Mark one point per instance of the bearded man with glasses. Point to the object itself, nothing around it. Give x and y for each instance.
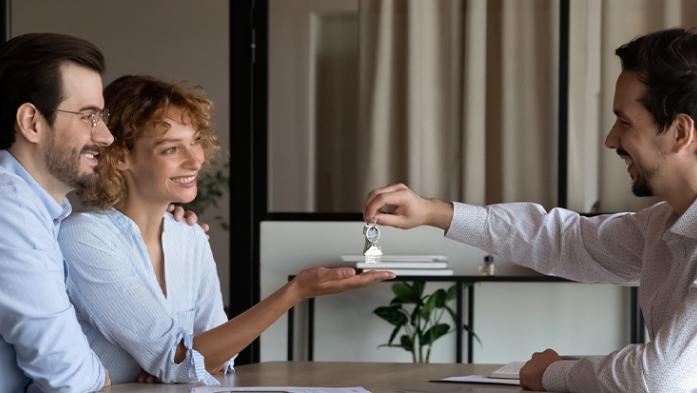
(51, 133)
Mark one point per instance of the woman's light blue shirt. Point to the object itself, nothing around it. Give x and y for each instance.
(127, 319)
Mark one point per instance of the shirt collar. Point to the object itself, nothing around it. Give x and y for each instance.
(12, 166)
(686, 224)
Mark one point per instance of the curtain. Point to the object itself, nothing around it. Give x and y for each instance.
(457, 98)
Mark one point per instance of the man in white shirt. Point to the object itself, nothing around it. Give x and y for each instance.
(656, 248)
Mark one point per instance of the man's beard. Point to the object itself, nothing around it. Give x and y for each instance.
(64, 165)
(641, 186)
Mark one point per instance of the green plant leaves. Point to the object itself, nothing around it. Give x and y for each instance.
(392, 314)
(419, 316)
(452, 293)
(469, 329)
(439, 297)
(434, 333)
(394, 334)
(407, 293)
(407, 342)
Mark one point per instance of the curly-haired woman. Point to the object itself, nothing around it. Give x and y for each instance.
(144, 286)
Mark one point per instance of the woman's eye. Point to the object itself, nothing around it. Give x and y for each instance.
(169, 150)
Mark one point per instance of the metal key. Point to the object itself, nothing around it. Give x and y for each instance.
(371, 250)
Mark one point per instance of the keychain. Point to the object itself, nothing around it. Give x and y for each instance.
(371, 250)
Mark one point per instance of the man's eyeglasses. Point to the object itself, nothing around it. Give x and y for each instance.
(91, 116)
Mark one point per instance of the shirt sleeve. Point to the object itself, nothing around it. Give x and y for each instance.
(121, 306)
(210, 311)
(37, 318)
(666, 364)
(560, 242)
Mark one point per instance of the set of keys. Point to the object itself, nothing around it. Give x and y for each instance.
(371, 250)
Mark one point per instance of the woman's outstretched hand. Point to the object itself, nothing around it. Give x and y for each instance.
(318, 281)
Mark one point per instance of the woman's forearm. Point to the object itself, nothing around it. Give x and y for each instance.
(221, 343)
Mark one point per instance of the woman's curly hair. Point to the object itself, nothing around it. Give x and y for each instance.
(137, 105)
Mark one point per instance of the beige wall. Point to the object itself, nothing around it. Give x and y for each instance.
(177, 40)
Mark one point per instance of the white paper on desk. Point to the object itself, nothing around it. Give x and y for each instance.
(289, 389)
(481, 379)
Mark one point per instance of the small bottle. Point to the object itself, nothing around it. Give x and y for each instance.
(487, 267)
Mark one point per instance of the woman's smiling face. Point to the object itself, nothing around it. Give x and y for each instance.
(164, 164)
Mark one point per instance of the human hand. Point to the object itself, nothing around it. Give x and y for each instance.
(144, 377)
(409, 209)
(531, 373)
(191, 218)
(318, 281)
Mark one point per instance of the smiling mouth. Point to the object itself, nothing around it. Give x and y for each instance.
(90, 155)
(625, 156)
(184, 179)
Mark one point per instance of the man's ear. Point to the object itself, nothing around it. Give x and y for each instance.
(684, 131)
(29, 122)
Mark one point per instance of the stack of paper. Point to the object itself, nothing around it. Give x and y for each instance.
(404, 265)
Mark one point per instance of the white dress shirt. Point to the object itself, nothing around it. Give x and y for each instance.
(653, 248)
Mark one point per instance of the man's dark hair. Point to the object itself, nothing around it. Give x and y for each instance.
(666, 61)
(30, 73)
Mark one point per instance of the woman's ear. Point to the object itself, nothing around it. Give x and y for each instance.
(121, 161)
(29, 124)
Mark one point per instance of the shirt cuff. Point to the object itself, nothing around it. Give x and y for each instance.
(468, 223)
(197, 370)
(554, 377)
(229, 366)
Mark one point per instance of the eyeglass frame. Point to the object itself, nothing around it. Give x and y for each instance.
(93, 117)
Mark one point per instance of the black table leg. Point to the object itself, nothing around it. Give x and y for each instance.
(458, 323)
(470, 323)
(291, 332)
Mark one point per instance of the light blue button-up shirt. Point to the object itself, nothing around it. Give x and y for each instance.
(42, 347)
(126, 317)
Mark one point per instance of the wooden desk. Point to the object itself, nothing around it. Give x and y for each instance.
(376, 377)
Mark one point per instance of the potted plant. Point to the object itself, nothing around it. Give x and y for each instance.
(419, 317)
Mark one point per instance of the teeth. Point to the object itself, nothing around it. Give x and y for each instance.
(183, 180)
(89, 155)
